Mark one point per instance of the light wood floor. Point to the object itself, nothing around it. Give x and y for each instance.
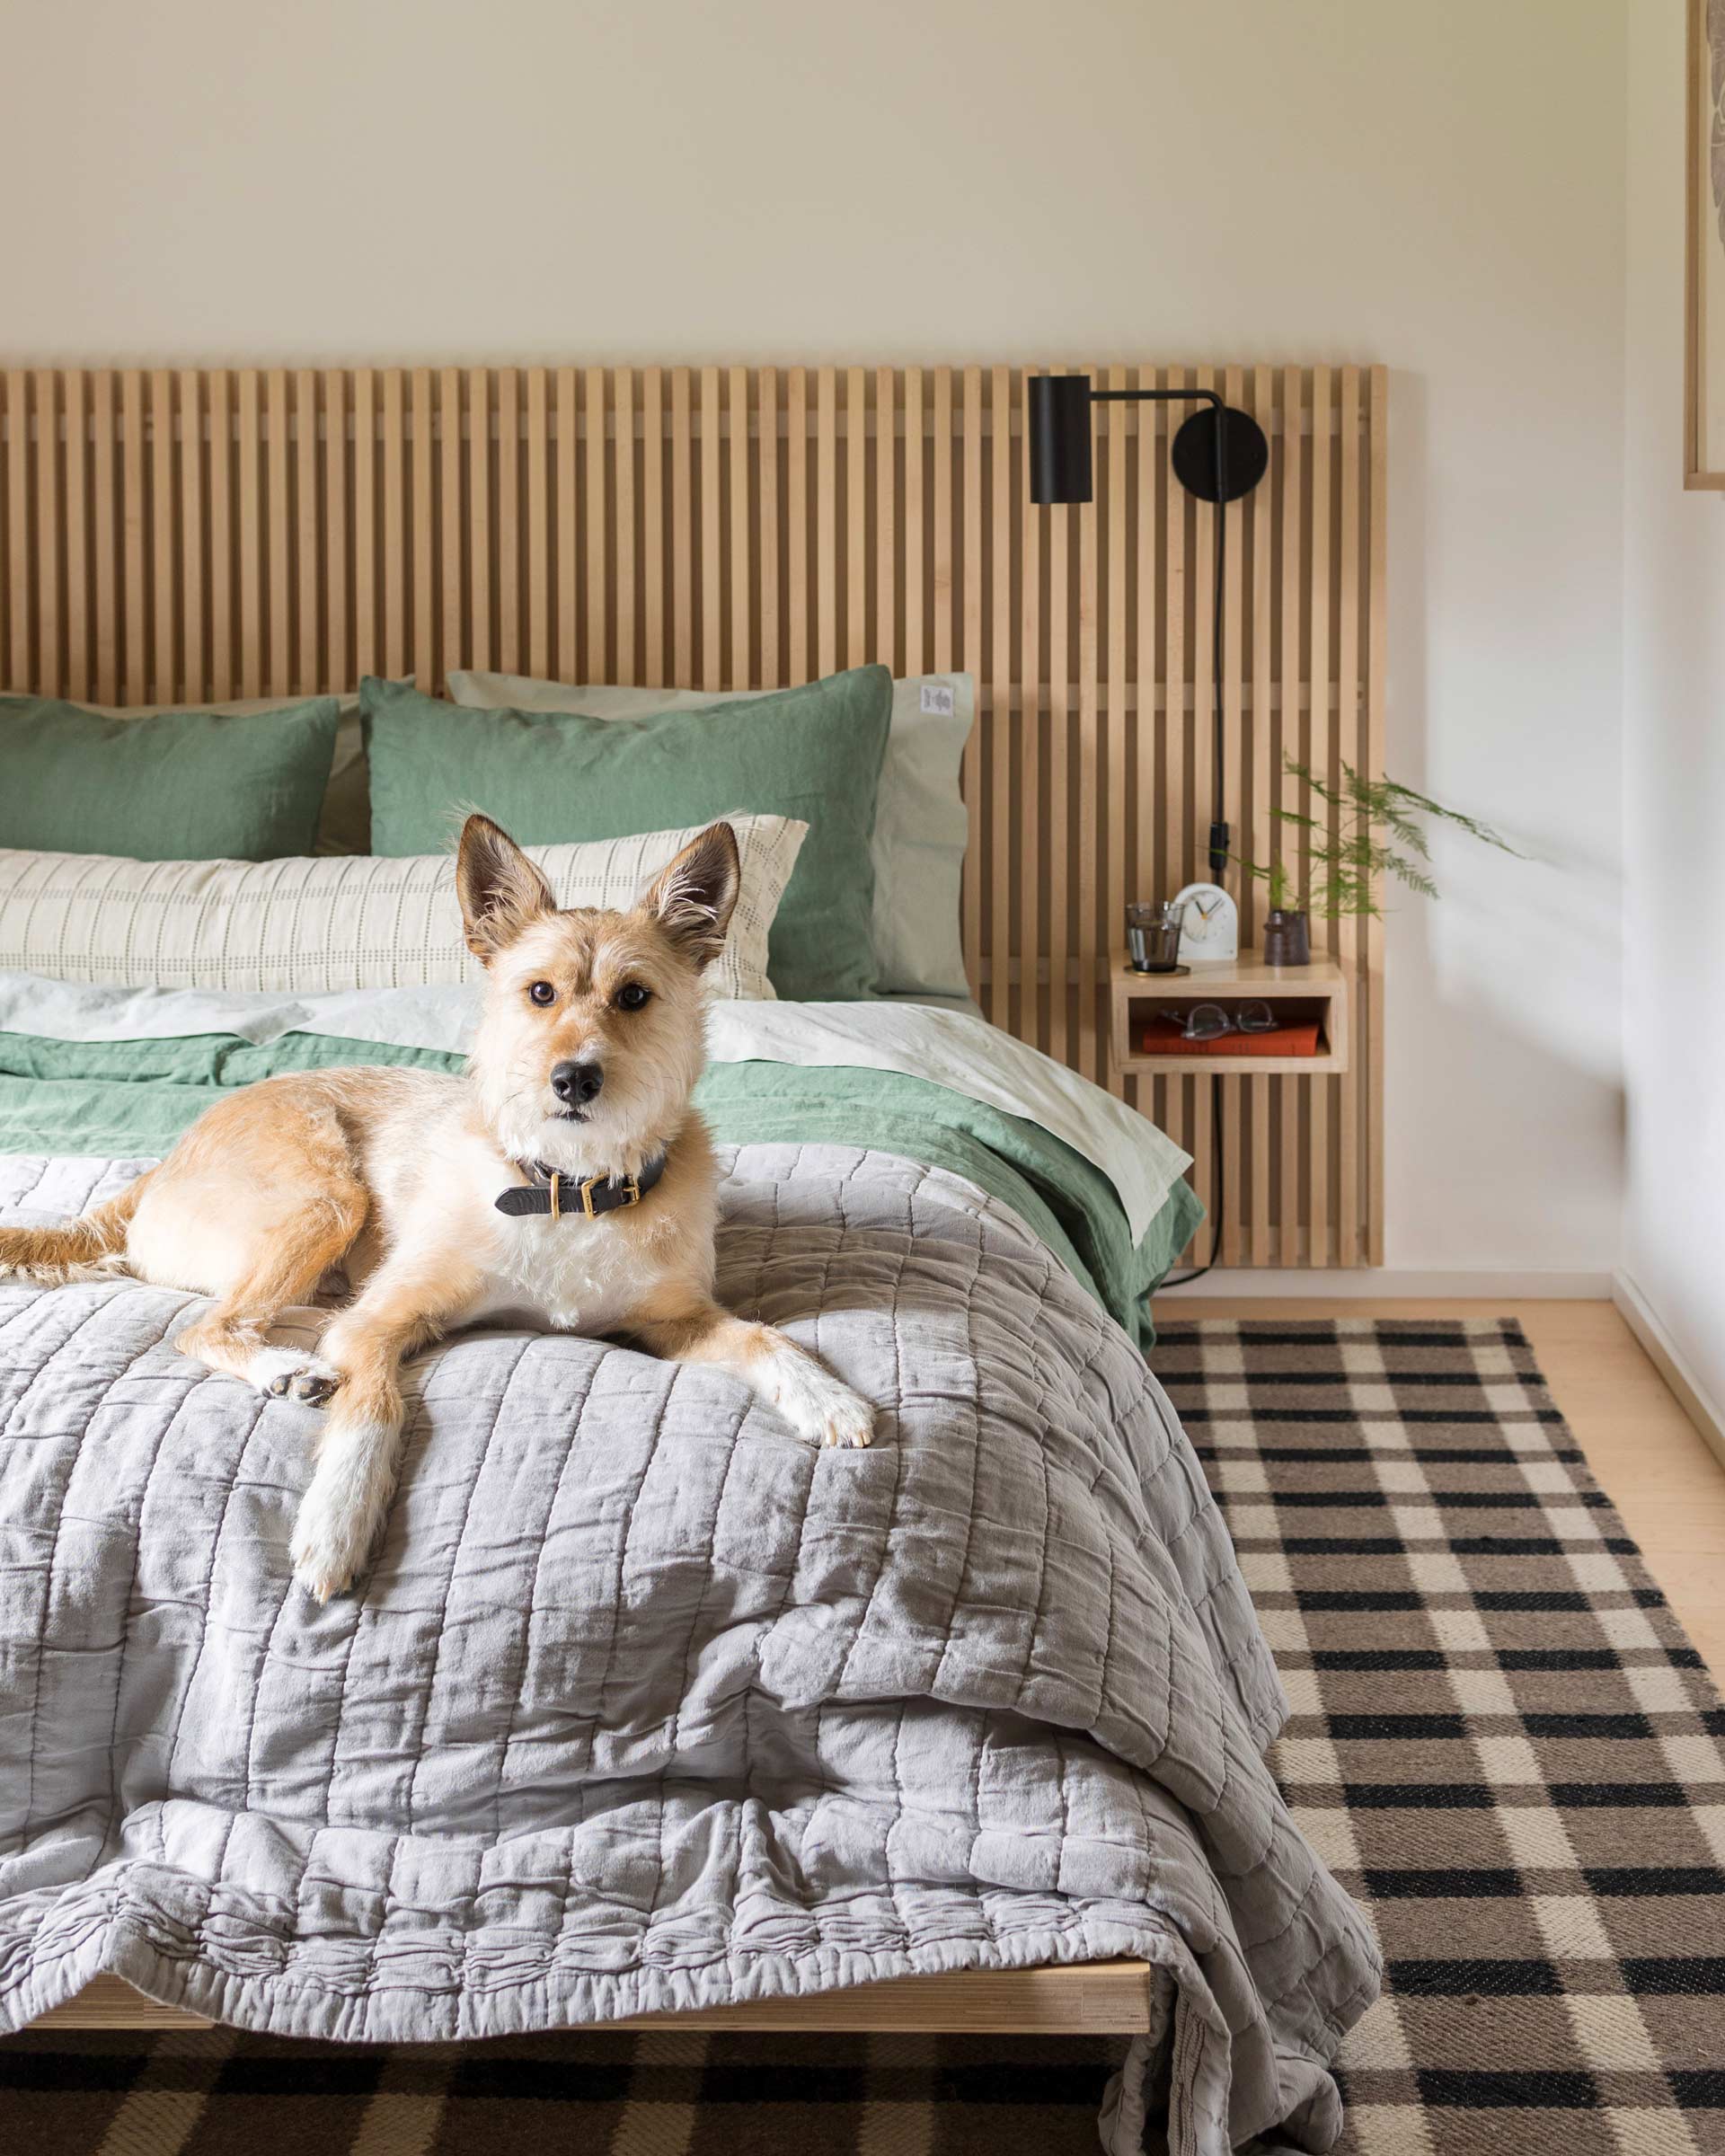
(1645, 1451)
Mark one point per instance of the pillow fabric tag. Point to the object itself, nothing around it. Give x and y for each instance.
(937, 700)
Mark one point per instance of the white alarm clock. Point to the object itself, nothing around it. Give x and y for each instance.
(1209, 933)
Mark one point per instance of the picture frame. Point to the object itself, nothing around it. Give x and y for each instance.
(1703, 383)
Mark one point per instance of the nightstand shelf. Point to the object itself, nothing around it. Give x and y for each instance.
(1319, 990)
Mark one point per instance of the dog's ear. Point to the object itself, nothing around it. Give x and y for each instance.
(693, 897)
(499, 889)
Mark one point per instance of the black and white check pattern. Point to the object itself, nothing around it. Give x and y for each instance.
(1500, 1740)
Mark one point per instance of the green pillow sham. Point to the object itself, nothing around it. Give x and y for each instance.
(176, 786)
(553, 777)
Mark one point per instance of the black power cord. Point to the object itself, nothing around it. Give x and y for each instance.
(1197, 1272)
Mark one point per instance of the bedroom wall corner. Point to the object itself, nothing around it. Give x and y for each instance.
(1674, 765)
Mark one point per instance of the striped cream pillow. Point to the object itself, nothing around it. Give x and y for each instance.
(364, 921)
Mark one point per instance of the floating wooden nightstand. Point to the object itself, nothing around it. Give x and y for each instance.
(1319, 991)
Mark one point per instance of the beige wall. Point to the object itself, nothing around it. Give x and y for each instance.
(1437, 187)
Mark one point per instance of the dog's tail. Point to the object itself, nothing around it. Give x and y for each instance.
(91, 1248)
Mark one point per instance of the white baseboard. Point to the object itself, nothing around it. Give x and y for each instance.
(1663, 1353)
(1338, 1285)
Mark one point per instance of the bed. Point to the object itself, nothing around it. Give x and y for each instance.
(646, 1708)
(642, 1708)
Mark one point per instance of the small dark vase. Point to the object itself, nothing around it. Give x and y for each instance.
(1287, 940)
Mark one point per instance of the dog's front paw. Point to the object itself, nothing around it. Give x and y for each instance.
(849, 1420)
(327, 1548)
(819, 1408)
(285, 1373)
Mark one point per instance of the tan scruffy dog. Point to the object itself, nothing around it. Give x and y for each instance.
(565, 1177)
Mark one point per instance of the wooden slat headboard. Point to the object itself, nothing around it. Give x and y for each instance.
(198, 534)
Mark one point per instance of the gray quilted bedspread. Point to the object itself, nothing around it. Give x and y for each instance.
(644, 1704)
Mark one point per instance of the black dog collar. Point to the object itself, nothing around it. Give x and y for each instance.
(558, 1194)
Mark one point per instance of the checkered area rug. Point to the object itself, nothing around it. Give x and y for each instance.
(1501, 1741)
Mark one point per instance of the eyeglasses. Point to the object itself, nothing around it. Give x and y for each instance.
(1211, 1021)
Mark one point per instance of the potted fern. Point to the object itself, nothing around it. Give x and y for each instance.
(1374, 831)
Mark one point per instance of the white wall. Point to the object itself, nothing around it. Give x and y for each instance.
(1673, 756)
(1436, 188)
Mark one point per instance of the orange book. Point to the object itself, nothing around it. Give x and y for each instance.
(1162, 1037)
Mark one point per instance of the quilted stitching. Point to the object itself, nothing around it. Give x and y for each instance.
(643, 1702)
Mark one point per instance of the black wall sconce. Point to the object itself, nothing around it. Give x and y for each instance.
(1218, 455)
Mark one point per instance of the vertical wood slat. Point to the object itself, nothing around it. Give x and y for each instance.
(884, 642)
(998, 858)
(682, 531)
(77, 561)
(508, 519)
(309, 552)
(453, 646)
(766, 393)
(539, 478)
(856, 517)
(135, 538)
(428, 668)
(914, 643)
(743, 673)
(49, 502)
(826, 519)
(971, 659)
(192, 535)
(251, 535)
(221, 530)
(481, 650)
(20, 659)
(712, 615)
(279, 625)
(583, 616)
(364, 522)
(163, 555)
(337, 553)
(796, 518)
(622, 565)
(652, 523)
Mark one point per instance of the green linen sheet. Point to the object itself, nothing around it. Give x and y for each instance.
(132, 1099)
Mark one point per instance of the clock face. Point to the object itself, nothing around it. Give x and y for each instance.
(1210, 927)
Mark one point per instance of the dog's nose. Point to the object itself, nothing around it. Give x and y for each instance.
(576, 1082)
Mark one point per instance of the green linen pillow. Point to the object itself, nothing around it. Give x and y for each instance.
(550, 778)
(176, 786)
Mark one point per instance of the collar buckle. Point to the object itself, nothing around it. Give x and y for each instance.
(629, 1185)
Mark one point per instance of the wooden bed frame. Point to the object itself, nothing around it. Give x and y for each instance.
(196, 534)
(1090, 1999)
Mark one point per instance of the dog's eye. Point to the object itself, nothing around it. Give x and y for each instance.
(632, 996)
(541, 992)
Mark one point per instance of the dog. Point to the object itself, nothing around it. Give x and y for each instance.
(565, 1178)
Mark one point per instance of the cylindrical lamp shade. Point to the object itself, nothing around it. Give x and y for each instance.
(1060, 413)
